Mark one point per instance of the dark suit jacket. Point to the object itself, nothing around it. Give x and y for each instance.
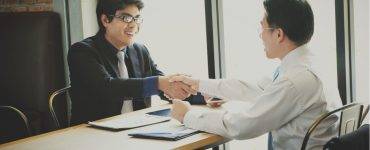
(97, 92)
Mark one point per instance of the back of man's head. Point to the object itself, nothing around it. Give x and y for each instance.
(294, 17)
(109, 8)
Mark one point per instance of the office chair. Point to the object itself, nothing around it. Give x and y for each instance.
(52, 109)
(364, 114)
(349, 121)
(356, 140)
(40, 60)
(14, 124)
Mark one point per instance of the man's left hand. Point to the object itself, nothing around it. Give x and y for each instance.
(179, 109)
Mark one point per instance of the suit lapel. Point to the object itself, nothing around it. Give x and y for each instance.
(132, 53)
(114, 66)
(108, 54)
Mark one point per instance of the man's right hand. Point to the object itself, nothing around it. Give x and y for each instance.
(175, 90)
(193, 83)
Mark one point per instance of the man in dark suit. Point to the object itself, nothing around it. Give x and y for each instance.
(110, 74)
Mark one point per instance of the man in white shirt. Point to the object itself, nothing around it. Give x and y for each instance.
(287, 105)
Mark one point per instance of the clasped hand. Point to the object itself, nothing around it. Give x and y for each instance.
(178, 86)
(190, 86)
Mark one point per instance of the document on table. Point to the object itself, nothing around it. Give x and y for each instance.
(163, 112)
(122, 123)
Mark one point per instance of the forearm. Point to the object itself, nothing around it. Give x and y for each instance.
(272, 109)
(233, 125)
(229, 89)
(124, 88)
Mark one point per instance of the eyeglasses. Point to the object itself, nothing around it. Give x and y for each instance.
(128, 18)
(261, 29)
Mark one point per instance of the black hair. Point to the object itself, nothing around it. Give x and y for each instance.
(109, 7)
(294, 17)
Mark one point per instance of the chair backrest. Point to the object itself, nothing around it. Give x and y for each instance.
(364, 114)
(14, 124)
(349, 121)
(32, 63)
(60, 99)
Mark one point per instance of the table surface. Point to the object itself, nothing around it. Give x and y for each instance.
(84, 137)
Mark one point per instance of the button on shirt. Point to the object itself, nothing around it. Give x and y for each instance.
(286, 107)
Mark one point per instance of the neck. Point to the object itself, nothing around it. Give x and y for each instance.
(118, 45)
(286, 48)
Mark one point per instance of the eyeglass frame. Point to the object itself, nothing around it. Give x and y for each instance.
(268, 28)
(122, 17)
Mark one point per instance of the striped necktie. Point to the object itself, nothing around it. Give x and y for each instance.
(123, 73)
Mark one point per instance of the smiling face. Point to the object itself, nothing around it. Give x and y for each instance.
(119, 33)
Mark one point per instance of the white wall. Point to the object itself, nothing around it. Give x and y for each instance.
(175, 36)
(361, 35)
(244, 55)
(175, 33)
(323, 45)
(361, 28)
(89, 21)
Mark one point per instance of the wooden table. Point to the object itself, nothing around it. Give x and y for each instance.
(83, 137)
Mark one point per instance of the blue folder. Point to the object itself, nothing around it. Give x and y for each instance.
(170, 135)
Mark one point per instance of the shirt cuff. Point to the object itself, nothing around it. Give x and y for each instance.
(200, 119)
(208, 86)
(191, 118)
(150, 86)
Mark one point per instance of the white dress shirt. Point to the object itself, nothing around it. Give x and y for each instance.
(286, 106)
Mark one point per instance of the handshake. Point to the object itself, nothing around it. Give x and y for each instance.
(178, 86)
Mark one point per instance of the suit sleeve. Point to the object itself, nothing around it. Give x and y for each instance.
(88, 72)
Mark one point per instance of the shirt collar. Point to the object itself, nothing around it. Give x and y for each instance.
(297, 57)
(110, 48)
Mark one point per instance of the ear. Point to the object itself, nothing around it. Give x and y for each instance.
(138, 29)
(280, 35)
(104, 20)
